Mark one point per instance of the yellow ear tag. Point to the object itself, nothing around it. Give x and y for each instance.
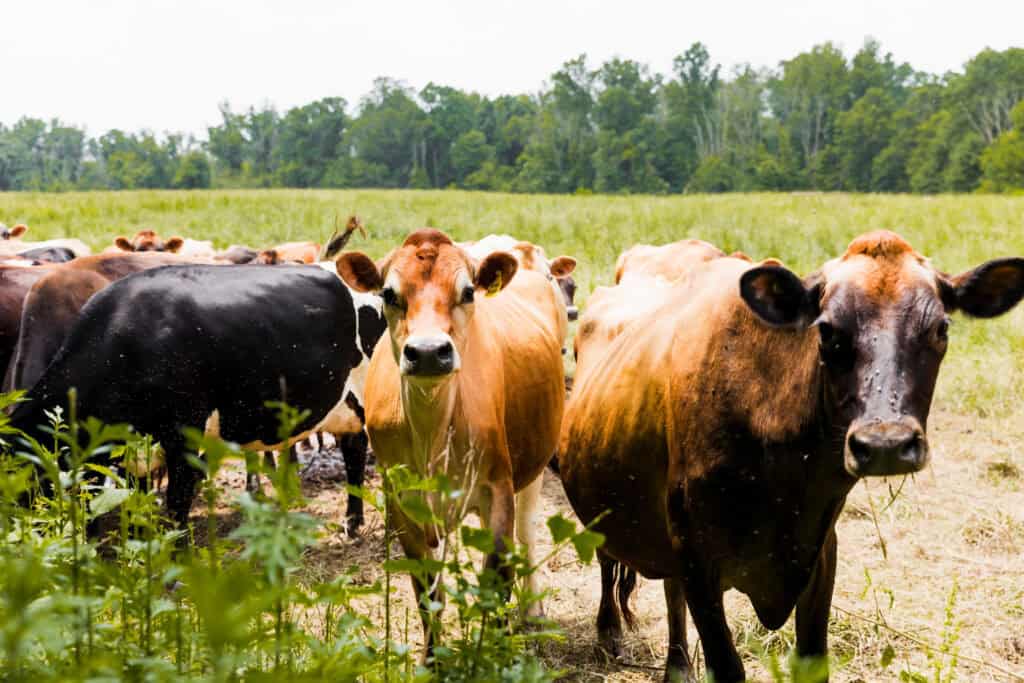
(495, 286)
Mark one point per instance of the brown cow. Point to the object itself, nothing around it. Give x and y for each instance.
(724, 434)
(147, 240)
(464, 384)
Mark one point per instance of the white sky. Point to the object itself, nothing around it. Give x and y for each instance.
(164, 65)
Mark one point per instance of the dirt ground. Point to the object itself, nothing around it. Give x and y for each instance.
(949, 582)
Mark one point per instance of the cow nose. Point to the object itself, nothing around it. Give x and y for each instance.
(886, 449)
(428, 357)
(573, 313)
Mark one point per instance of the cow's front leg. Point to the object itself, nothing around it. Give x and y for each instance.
(677, 664)
(609, 620)
(815, 603)
(704, 597)
(414, 543)
(353, 450)
(526, 503)
(499, 513)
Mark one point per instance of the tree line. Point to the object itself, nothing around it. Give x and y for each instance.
(819, 121)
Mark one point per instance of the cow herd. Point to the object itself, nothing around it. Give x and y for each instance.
(721, 411)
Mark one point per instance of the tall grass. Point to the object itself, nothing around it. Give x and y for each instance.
(982, 374)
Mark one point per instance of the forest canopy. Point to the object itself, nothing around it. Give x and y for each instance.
(818, 121)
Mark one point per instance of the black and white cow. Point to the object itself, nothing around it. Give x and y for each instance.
(167, 348)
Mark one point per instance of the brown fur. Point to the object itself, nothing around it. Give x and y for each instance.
(668, 261)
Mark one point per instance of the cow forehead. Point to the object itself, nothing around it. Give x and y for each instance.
(881, 266)
(428, 257)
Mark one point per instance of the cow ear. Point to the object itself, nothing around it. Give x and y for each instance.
(778, 297)
(991, 289)
(563, 266)
(174, 244)
(18, 230)
(123, 244)
(359, 272)
(495, 272)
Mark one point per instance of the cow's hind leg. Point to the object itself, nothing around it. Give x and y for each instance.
(527, 502)
(677, 664)
(609, 622)
(353, 450)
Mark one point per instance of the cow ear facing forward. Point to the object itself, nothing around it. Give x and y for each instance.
(991, 289)
(778, 297)
(563, 266)
(359, 272)
(123, 244)
(18, 230)
(495, 272)
(174, 244)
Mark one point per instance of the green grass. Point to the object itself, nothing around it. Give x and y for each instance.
(981, 375)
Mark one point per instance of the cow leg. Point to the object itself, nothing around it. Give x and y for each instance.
(500, 517)
(677, 664)
(704, 598)
(353, 450)
(414, 543)
(182, 478)
(609, 621)
(526, 502)
(815, 603)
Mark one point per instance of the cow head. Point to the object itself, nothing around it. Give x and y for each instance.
(429, 286)
(882, 316)
(12, 233)
(267, 257)
(561, 269)
(148, 240)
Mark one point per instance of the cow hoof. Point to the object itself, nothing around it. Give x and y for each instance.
(610, 641)
(352, 526)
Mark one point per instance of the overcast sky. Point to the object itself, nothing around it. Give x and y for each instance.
(164, 64)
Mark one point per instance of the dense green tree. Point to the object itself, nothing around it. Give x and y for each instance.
(817, 121)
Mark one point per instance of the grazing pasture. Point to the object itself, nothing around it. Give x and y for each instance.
(929, 581)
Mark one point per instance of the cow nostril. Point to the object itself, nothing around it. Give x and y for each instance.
(444, 352)
(911, 448)
(410, 353)
(860, 450)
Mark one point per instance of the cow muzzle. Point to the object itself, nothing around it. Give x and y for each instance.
(884, 449)
(429, 357)
(573, 312)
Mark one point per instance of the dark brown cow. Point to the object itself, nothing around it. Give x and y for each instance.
(724, 435)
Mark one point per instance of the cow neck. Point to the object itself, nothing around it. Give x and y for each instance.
(430, 410)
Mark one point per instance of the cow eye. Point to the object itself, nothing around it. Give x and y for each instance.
(467, 295)
(942, 330)
(836, 347)
(389, 296)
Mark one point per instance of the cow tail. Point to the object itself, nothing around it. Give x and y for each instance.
(626, 580)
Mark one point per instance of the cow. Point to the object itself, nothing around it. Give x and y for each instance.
(297, 252)
(722, 435)
(666, 261)
(48, 254)
(464, 384)
(147, 240)
(237, 254)
(532, 257)
(11, 242)
(38, 310)
(12, 233)
(166, 348)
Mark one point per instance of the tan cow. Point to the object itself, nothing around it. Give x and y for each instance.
(722, 433)
(464, 384)
(532, 257)
(666, 261)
